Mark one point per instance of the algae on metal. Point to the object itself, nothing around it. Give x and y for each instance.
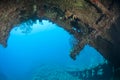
(92, 19)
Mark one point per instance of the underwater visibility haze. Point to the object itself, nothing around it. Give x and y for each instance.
(42, 53)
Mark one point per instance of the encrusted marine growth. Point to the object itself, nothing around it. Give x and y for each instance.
(90, 21)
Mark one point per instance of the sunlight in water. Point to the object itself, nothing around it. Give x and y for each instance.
(45, 48)
(36, 27)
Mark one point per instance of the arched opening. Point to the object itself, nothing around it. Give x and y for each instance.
(41, 51)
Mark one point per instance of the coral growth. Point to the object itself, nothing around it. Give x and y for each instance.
(93, 20)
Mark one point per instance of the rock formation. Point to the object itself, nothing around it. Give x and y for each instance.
(93, 22)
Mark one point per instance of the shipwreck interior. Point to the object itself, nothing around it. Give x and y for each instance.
(91, 22)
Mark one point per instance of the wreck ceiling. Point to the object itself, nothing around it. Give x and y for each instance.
(97, 20)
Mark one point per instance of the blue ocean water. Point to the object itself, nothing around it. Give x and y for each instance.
(42, 53)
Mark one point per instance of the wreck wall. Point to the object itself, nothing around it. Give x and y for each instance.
(97, 21)
(110, 49)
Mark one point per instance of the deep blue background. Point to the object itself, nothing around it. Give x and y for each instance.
(46, 44)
